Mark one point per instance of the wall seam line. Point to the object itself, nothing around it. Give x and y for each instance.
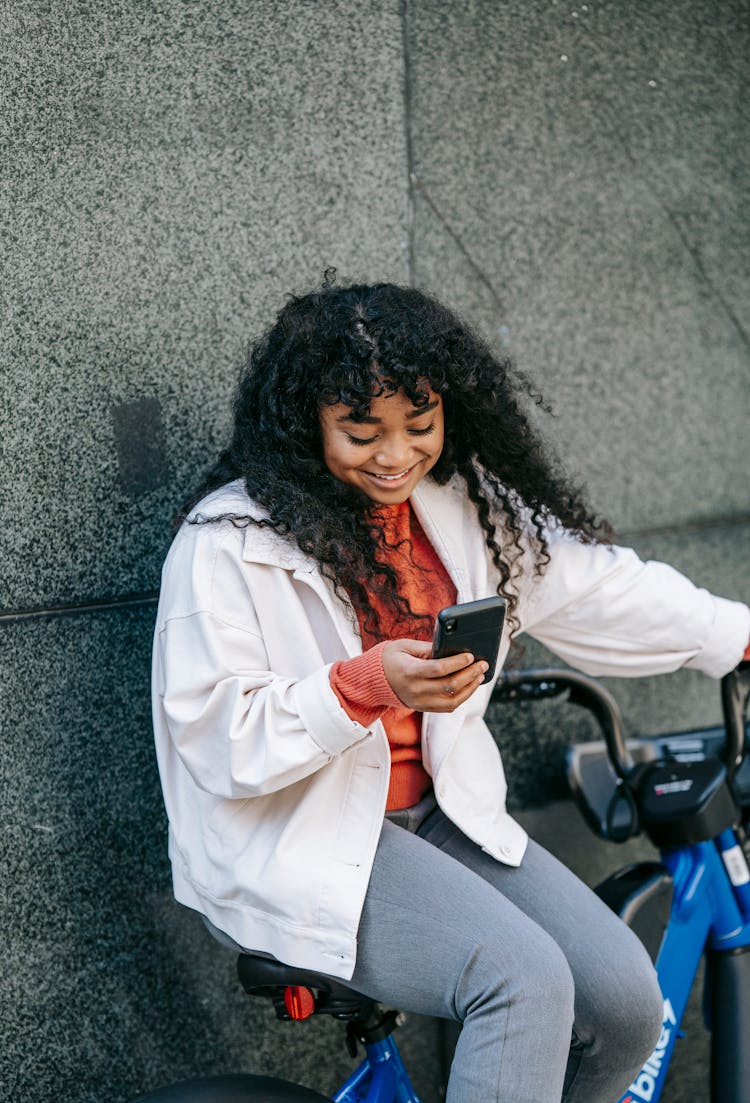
(71, 609)
(406, 7)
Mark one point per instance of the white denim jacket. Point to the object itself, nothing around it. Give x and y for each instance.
(275, 797)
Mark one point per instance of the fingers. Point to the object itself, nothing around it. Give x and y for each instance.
(453, 691)
(441, 668)
(447, 693)
(429, 667)
(453, 685)
(430, 685)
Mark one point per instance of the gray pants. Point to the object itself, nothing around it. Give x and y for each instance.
(527, 959)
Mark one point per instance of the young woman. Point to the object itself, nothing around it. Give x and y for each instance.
(335, 798)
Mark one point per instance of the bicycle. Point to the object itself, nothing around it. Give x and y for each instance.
(690, 793)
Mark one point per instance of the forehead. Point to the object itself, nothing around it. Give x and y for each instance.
(393, 406)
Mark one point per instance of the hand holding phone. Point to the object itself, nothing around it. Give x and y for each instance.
(475, 627)
(463, 656)
(426, 684)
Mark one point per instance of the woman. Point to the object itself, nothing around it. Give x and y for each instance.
(335, 799)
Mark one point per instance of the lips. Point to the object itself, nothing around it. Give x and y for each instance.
(390, 480)
(377, 475)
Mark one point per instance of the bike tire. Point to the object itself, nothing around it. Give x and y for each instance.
(237, 1088)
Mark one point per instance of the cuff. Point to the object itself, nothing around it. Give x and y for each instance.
(362, 687)
(322, 716)
(727, 638)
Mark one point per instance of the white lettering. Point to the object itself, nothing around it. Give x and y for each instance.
(673, 787)
(736, 866)
(644, 1086)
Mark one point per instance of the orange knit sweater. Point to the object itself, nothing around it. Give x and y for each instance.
(360, 683)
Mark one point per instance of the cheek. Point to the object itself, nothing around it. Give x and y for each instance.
(331, 457)
(337, 455)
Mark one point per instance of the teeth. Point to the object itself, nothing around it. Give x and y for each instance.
(389, 477)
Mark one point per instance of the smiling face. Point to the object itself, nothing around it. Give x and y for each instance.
(388, 452)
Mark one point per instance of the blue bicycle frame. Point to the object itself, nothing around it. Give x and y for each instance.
(695, 902)
(380, 1076)
(708, 913)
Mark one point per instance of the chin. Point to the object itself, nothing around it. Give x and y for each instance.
(390, 498)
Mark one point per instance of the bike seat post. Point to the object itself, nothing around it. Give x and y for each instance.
(299, 993)
(382, 1074)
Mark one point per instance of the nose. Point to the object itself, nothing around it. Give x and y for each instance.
(394, 455)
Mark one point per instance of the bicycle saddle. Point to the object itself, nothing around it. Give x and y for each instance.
(263, 976)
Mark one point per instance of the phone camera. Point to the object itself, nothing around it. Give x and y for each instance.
(450, 626)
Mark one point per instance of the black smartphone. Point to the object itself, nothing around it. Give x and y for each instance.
(475, 626)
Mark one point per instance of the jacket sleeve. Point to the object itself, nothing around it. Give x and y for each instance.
(240, 729)
(606, 612)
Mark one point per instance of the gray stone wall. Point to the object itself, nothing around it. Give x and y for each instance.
(573, 178)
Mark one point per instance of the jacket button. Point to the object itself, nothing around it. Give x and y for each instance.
(505, 849)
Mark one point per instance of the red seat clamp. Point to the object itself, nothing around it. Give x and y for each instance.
(299, 1002)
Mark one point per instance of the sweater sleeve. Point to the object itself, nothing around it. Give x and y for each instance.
(362, 688)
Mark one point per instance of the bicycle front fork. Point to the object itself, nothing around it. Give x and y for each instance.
(729, 1008)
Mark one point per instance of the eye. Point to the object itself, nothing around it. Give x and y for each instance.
(360, 440)
(423, 432)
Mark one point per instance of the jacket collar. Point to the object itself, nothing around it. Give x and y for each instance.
(263, 545)
(259, 545)
(441, 511)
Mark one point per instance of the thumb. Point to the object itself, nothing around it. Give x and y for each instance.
(420, 649)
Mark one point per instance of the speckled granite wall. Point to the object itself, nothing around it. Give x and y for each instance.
(582, 191)
(579, 192)
(176, 170)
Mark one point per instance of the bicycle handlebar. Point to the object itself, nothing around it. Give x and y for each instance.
(585, 691)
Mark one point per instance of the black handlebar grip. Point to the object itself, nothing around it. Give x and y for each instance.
(735, 695)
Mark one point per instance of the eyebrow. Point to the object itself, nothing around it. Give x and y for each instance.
(417, 412)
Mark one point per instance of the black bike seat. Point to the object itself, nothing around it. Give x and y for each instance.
(265, 972)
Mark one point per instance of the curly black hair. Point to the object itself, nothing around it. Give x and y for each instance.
(344, 345)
